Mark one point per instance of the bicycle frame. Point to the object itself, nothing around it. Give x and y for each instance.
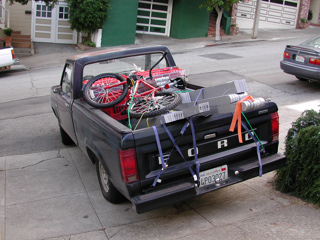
(152, 90)
(136, 85)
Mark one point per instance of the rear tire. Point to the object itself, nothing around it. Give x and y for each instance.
(109, 192)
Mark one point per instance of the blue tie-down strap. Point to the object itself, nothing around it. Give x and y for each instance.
(164, 163)
(195, 152)
(175, 145)
(258, 146)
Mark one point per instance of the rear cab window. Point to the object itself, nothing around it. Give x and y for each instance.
(124, 66)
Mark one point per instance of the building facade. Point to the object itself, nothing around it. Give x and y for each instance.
(179, 19)
(276, 14)
(174, 18)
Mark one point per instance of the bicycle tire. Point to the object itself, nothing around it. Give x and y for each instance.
(97, 96)
(150, 108)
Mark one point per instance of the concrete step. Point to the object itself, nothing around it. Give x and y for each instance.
(19, 36)
(20, 40)
(21, 45)
(19, 52)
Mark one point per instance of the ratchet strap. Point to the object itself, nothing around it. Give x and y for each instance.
(237, 117)
(257, 141)
(164, 164)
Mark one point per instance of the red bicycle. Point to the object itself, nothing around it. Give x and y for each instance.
(145, 96)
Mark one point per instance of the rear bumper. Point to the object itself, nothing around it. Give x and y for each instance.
(299, 70)
(16, 61)
(184, 189)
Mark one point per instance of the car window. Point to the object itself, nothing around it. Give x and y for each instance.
(125, 66)
(66, 83)
(314, 42)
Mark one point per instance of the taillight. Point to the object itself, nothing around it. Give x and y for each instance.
(13, 56)
(286, 55)
(315, 61)
(128, 164)
(275, 126)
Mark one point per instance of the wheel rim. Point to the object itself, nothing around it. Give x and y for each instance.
(100, 93)
(147, 105)
(104, 177)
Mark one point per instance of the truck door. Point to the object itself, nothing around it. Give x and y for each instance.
(64, 102)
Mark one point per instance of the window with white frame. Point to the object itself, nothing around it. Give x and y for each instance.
(43, 11)
(64, 13)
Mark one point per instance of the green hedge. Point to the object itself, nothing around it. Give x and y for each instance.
(301, 175)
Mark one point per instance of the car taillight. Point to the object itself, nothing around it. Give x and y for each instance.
(13, 56)
(315, 61)
(275, 126)
(128, 164)
(286, 55)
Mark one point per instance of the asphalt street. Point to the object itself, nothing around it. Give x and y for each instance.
(52, 192)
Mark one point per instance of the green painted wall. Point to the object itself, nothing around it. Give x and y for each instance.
(120, 26)
(188, 20)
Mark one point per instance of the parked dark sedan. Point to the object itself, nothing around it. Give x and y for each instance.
(303, 60)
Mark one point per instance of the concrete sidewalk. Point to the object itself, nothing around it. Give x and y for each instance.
(55, 195)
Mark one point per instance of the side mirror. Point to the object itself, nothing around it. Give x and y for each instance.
(57, 89)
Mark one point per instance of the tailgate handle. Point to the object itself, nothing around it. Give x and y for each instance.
(208, 136)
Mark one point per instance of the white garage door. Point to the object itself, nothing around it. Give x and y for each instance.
(51, 24)
(154, 17)
(273, 14)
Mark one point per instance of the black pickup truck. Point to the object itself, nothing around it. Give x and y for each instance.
(153, 162)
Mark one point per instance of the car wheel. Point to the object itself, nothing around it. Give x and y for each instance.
(66, 140)
(302, 79)
(108, 190)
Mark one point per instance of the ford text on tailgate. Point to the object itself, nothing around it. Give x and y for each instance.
(155, 139)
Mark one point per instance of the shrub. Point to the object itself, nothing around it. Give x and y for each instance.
(7, 32)
(301, 175)
(89, 44)
(310, 15)
(88, 15)
(304, 20)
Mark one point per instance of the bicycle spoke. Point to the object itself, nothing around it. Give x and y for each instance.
(112, 95)
(153, 106)
(96, 94)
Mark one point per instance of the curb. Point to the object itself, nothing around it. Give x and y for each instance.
(234, 42)
(84, 47)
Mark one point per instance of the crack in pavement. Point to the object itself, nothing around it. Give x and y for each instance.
(33, 88)
(39, 162)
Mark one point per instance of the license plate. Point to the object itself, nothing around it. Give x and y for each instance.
(213, 176)
(300, 58)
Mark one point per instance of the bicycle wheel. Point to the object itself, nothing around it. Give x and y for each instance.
(151, 107)
(100, 91)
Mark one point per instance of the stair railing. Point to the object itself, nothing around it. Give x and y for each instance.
(5, 16)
